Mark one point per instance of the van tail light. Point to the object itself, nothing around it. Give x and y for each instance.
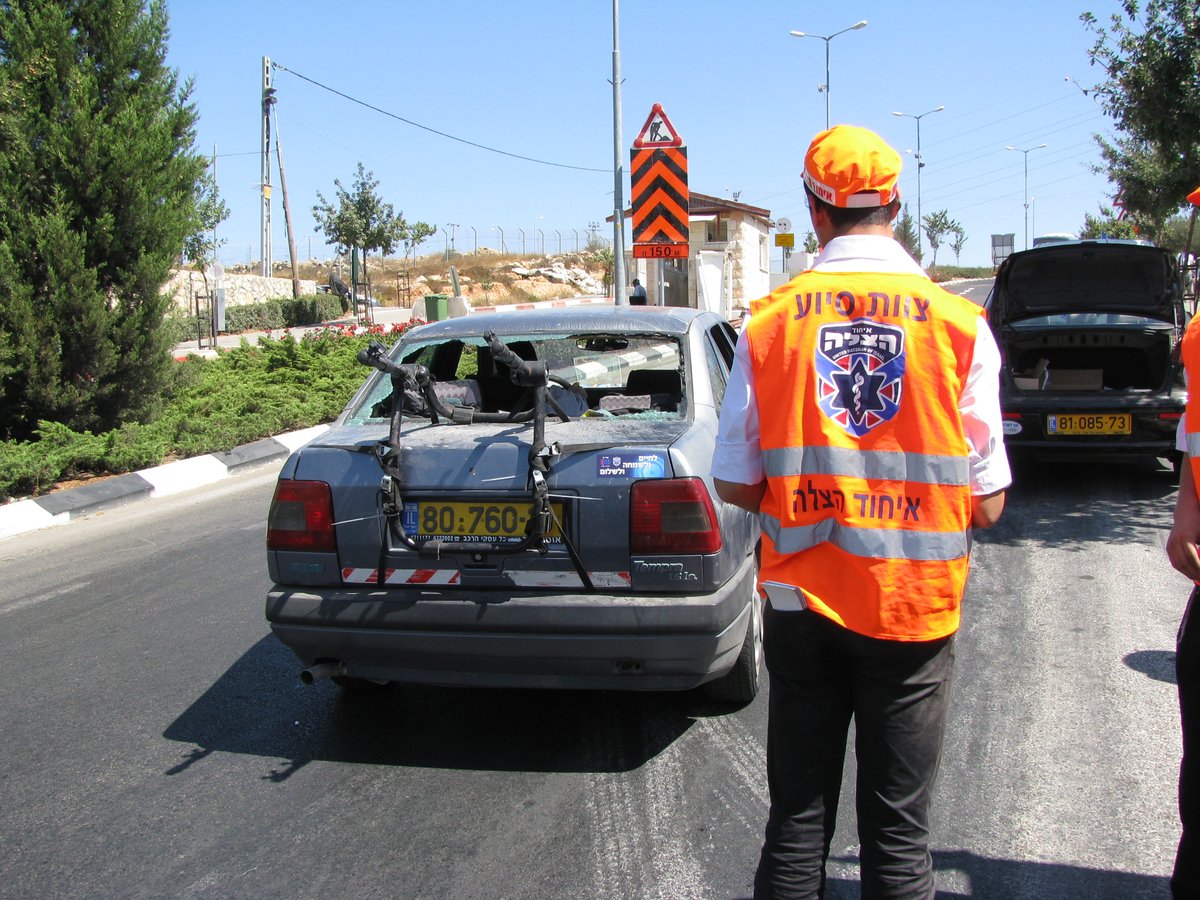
(673, 515)
(301, 517)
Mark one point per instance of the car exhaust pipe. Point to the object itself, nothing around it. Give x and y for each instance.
(313, 673)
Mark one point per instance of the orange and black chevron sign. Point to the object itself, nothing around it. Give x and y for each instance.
(659, 193)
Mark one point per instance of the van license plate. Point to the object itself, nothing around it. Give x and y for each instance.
(1089, 423)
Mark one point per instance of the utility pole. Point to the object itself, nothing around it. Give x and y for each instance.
(268, 97)
(287, 210)
(216, 246)
(619, 297)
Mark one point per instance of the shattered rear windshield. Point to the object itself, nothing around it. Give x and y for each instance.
(593, 375)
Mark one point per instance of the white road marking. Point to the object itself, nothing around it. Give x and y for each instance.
(41, 598)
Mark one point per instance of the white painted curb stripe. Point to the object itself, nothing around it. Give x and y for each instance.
(297, 439)
(26, 515)
(184, 474)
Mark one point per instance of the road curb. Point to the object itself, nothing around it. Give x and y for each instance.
(158, 481)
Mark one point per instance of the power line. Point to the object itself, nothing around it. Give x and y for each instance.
(392, 115)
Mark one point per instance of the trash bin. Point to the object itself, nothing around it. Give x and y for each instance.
(436, 307)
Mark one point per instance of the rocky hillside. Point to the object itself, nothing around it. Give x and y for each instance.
(485, 279)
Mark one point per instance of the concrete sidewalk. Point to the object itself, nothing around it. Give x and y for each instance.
(67, 505)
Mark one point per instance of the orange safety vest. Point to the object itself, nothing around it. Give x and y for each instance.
(867, 506)
(1191, 363)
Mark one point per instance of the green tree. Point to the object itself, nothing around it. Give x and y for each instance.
(810, 243)
(362, 220)
(98, 189)
(202, 246)
(958, 240)
(936, 226)
(906, 233)
(1107, 225)
(1174, 234)
(1151, 59)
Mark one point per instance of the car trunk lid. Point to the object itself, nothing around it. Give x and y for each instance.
(462, 486)
(1091, 277)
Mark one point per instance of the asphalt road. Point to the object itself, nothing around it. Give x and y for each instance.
(156, 740)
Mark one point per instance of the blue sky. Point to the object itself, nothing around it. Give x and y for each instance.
(532, 79)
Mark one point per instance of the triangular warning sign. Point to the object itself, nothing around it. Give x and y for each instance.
(657, 132)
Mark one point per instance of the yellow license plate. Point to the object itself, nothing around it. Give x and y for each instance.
(472, 519)
(1089, 423)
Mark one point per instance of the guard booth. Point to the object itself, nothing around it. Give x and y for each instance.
(1002, 248)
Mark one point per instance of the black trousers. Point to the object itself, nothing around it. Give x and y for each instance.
(1185, 882)
(898, 693)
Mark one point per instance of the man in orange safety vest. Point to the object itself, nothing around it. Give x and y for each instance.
(1182, 551)
(862, 423)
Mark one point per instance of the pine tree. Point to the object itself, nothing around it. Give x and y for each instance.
(906, 233)
(98, 192)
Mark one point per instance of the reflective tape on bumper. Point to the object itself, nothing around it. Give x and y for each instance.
(453, 577)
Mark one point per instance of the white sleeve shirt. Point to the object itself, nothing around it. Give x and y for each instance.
(738, 455)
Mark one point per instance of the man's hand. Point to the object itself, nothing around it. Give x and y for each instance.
(1185, 534)
(986, 509)
(746, 496)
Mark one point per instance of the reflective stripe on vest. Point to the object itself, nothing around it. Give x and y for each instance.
(881, 465)
(871, 543)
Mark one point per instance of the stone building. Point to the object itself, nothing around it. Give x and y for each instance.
(728, 263)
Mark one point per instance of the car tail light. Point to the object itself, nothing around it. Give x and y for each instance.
(301, 517)
(1009, 415)
(672, 516)
(1170, 415)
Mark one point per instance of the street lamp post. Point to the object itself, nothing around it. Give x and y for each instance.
(827, 39)
(920, 162)
(1026, 153)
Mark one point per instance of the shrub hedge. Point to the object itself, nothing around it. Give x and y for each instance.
(214, 404)
(270, 315)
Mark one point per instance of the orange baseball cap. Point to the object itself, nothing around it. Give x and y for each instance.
(852, 167)
(1194, 197)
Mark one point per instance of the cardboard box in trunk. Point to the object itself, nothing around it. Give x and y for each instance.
(1075, 380)
(1034, 379)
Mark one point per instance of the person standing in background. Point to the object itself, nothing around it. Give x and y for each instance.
(638, 297)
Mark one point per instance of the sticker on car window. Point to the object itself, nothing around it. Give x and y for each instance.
(631, 465)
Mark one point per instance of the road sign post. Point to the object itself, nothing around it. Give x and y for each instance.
(659, 193)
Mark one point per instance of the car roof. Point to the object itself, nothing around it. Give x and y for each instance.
(662, 319)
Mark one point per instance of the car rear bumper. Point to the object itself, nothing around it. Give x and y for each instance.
(580, 641)
(1154, 423)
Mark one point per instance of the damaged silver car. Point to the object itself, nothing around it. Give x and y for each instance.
(523, 499)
